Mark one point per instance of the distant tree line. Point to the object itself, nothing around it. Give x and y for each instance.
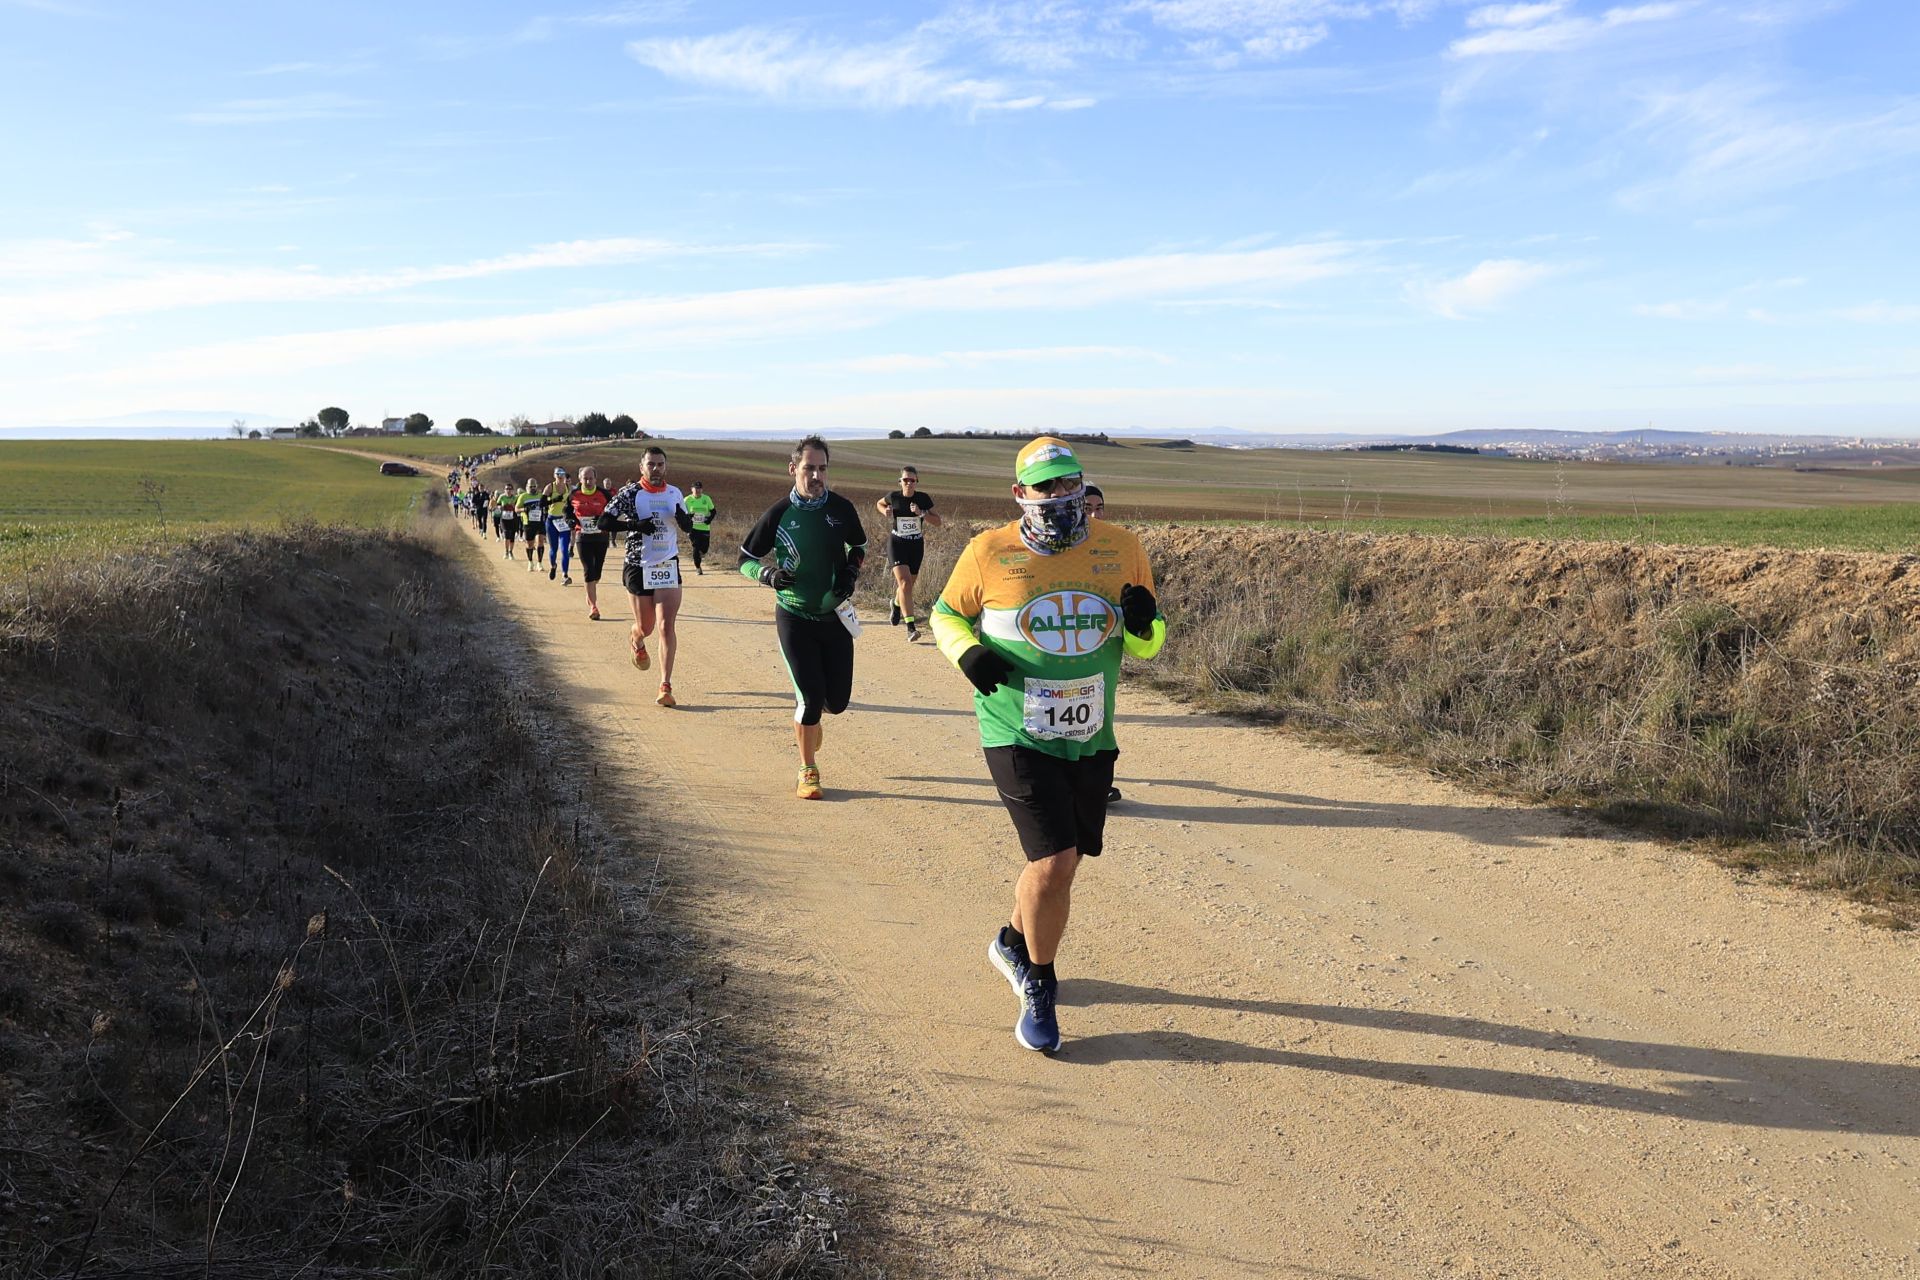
(335, 421)
(924, 433)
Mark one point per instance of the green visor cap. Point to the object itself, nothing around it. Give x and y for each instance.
(1046, 458)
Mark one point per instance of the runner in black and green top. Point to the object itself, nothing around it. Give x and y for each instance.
(701, 508)
(817, 547)
(533, 523)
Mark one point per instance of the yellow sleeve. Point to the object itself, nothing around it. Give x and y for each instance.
(1141, 573)
(959, 607)
(1138, 648)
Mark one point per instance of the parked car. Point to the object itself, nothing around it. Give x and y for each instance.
(398, 469)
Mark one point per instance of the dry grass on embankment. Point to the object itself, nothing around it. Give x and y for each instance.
(1771, 697)
(314, 961)
(1766, 702)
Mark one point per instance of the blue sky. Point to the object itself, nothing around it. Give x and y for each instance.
(1278, 215)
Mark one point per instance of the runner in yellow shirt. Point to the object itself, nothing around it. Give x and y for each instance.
(1037, 614)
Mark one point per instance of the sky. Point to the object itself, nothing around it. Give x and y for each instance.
(1399, 216)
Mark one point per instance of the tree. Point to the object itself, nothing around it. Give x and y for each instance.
(518, 425)
(254, 434)
(311, 429)
(595, 425)
(896, 434)
(922, 433)
(624, 425)
(239, 428)
(418, 424)
(154, 494)
(469, 427)
(334, 419)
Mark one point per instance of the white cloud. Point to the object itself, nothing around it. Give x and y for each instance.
(1520, 28)
(1881, 313)
(114, 286)
(1487, 286)
(1040, 408)
(908, 363)
(938, 61)
(783, 66)
(304, 106)
(1514, 15)
(1732, 140)
(52, 258)
(547, 26)
(634, 14)
(1768, 375)
(659, 322)
(1690, 309)
(1261, 29)
(1040, 36)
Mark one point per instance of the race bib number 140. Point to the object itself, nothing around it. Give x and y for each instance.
(1072, 709)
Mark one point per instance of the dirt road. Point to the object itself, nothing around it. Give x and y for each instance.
(1323, 1018)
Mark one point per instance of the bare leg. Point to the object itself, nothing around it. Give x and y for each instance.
(668, 599)
(808, 736)
(903, 589)
(642, 619)
(1042, 900)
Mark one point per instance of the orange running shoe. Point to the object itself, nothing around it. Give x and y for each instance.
(808, 788)
(666, 695)
(640, 656)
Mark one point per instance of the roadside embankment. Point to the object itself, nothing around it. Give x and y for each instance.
(1711, 692)
(317, 956)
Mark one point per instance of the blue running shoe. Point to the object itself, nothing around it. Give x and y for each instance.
(1038, 1028)
(1011, 961)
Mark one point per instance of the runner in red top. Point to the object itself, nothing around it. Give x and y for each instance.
(587, 504)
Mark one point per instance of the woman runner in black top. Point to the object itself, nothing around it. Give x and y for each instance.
(909, 513)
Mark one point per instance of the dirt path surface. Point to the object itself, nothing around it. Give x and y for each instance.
(1323, 1018)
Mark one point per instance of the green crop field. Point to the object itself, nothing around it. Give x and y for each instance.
(1892, 527)
(1866, 509)
(64, 496)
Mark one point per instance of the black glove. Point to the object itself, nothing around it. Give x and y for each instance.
(776, 577)
(845, 581)
(987, 669)
(647, 526)
(1138, 609)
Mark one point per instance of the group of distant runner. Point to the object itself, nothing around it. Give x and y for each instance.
(1036, 615)
(553, 523)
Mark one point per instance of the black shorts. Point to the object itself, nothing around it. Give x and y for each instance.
(634, 578)
(907, 551)
(1055, 804)
(702, 539)
(593, 554)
